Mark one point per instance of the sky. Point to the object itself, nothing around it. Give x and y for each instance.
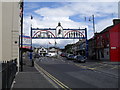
(71, 15)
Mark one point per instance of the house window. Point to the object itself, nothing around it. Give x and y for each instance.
(107, 53)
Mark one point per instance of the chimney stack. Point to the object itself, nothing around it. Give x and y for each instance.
(116, 21)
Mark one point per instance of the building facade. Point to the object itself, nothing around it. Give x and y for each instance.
(79, 48)
(107, 43)
(91, 49)
(102, 44)
(115, 41)
(9, 32)
(42, 51)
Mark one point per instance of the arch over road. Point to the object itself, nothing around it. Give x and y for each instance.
(42, 31)
(75, 33)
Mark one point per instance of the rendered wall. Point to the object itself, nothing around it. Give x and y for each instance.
(0, 45)
(115, 43)
(0, 31)
(10, 30)
(6, 31)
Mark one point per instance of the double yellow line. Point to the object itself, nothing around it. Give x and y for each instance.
(85, 67)
(53, 78)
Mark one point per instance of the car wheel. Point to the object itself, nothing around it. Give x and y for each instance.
(83, 61)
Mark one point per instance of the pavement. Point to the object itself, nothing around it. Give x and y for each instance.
(30, 78)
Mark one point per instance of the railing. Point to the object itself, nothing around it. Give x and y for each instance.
(9, 70)
(0, 75)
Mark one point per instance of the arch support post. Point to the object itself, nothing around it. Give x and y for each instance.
(31, 56)
(86, 42)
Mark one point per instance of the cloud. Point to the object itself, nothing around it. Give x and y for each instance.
(51, 17)
(68, 0)
(52, 12)
(104, 23)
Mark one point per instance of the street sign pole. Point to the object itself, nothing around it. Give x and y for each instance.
(21, 51)
(86, 42)
(31, 49)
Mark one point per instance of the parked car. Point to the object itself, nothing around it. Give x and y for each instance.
(63, 54)
(80, 58)
(37, 55)
(70, 56)
(48, 55)
(51, 54)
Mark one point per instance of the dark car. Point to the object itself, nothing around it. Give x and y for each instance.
(80, 58)
(70, 56)
(63, 54)
(36, 56)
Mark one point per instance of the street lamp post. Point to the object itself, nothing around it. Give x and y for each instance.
(93, 24)
(31, 43)
(93, 19)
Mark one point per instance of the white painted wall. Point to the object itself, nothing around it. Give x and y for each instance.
(6, 31)
(0, 31)
(10, 30)
(0, 45)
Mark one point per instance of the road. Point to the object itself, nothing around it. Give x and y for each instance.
(66, 73)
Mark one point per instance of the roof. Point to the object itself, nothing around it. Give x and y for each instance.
(115, 21)
(53, 47)
(106, 29)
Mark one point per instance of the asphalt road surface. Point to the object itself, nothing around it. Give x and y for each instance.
(75, 77)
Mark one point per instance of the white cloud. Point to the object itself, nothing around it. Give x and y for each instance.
(68, 0)
(51, 16)
(51, 12)
(103, 24)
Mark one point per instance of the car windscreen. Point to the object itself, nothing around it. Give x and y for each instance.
(80, 57)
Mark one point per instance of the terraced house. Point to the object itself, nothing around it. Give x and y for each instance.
(107, 46)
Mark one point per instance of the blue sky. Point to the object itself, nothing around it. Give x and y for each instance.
(70, 14)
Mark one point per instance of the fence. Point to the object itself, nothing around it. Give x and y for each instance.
(0, 75)
(9, 70)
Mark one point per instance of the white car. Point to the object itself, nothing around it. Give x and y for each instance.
(52, 54)
(48, 55)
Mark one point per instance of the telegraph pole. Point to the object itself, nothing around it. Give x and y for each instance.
(31, 44)
(93, 21)
(93, 18)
